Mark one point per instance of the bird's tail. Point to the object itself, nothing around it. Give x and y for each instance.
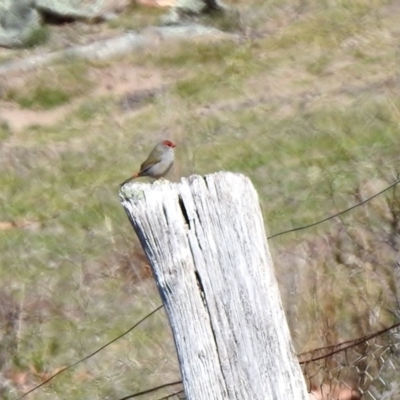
(129, 179)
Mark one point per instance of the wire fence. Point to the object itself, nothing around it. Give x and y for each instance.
(363, 368)
(366, 367)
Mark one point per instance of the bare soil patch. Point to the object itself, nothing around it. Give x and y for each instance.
(119, 80)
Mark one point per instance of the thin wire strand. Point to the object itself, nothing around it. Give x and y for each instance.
(92, 354)
(335, 215)
(338, 348)
(131, 396)
(169, 396)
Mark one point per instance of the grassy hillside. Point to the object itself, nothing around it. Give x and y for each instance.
(305, 101)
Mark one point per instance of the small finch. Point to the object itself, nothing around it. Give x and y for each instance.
(158, 163)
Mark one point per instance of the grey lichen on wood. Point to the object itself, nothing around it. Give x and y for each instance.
(205, 241)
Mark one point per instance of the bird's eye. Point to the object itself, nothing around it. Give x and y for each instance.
(168, 143)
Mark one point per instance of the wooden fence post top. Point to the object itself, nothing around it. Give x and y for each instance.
(205, 241)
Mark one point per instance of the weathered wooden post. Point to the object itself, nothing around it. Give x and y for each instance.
(205, 241)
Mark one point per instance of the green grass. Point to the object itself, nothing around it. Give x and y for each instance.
(137, 17)
(228, 20)
(38, 37)
(200, 54)
(44, 98)
(59, 86)
(4, 130)
(319, 65)
(308, 109)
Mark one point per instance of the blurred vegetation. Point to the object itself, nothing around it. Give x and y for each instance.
(305, 102)
(52, 89)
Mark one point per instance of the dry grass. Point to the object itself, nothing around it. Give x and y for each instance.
(305, 103)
